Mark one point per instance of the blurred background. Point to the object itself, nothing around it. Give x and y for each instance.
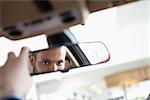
(125, 31)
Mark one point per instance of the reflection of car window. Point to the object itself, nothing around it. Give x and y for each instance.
(95, 52)
(75, 57)
(70, 60)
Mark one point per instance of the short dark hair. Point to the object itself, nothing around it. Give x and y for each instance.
(34, 53)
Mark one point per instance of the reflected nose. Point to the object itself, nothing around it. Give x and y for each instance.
(53, 67)
(56, 67)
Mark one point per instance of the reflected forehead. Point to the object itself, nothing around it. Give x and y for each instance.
(58, 53)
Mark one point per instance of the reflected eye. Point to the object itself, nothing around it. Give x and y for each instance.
(59, 63)
(45, 62)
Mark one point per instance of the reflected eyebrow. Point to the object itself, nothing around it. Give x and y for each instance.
(52, 60)
(46, 59)
(60, 61)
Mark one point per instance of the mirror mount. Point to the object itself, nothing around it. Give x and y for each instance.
(61, 38)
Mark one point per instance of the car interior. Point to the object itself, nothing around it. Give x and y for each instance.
(106, 43)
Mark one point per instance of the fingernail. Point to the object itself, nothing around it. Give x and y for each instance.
(25, 48)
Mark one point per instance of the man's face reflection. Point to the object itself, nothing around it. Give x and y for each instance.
(49, 60)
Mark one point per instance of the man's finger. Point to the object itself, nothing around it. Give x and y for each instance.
(11, 55)
(24, 53)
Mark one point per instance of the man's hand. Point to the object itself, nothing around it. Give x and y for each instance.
(14, 74)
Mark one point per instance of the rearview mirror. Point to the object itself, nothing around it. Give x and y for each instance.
(68, 56)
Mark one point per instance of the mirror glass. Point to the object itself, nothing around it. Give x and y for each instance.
(68, 56)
